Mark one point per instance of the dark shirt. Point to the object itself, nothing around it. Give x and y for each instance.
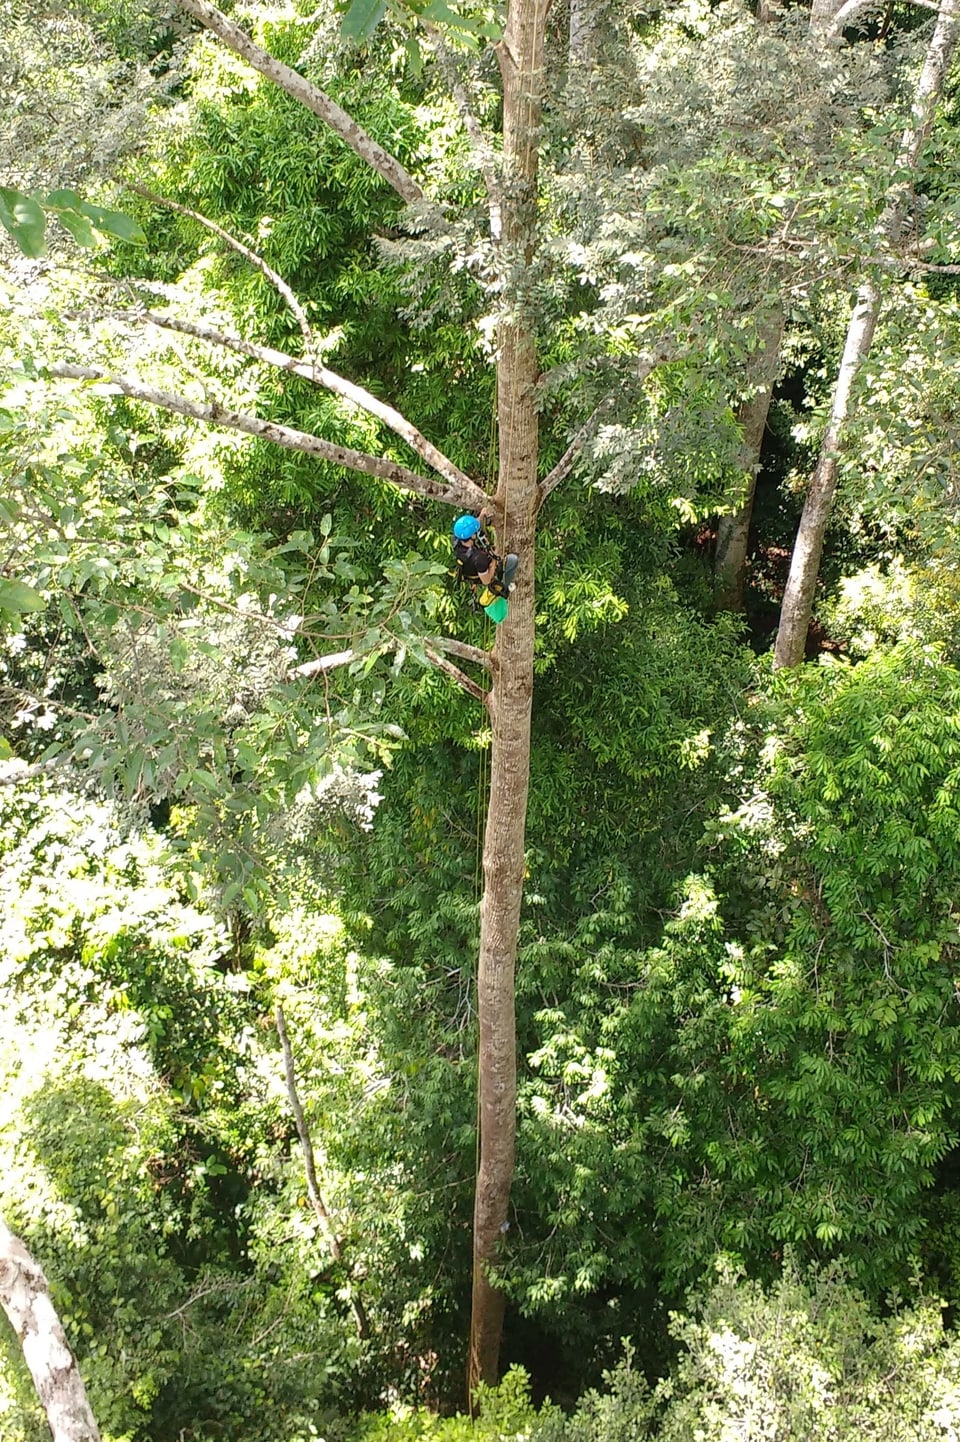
(472, 560)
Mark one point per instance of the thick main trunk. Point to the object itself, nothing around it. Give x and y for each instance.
(521, 63)
(25, 1297)
(797, 609)
(733, 529)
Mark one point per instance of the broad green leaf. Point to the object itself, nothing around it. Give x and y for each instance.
(113, 222)
(414, 58)
(63, 200)
(439, 13)
(78, 226)
(362, 18)
(18, 596)
(25, 221)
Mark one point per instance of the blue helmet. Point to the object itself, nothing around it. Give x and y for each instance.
(464, 527)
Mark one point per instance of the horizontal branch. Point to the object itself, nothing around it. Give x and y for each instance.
(854, 11)
(472, 495)
(22, 771)
(292, 440)
(324, 663)
(461, 649)
(309, 95)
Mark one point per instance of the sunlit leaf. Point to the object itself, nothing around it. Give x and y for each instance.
(25, 221)
(17, 596)
(362, 18)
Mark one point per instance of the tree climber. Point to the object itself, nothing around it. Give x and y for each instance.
(477, 561)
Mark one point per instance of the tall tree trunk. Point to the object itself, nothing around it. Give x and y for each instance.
(521, 63)
(733, 529)
(581, 41)
(25, 1297)
(797, 608)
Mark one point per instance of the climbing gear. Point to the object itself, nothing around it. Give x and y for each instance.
(466, 527)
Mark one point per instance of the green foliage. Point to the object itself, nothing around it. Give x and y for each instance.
(819, 982)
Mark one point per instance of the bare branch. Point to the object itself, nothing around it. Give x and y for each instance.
(293, 440)
(461, 649)
(566, 462)
(25, 1297)
(914, 264)
(324, 663)
(320, 375)
(455, 674)
(309, 95)
(251, 255)
(310, 1168)
(23, 772)
(647, 363)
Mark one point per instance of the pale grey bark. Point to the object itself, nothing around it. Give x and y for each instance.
(319, 1206)
(319, 375)
(466, 496)
(309, 95)
(582, 34)
(797, 607)
(248, 254)
(437, 659)
(25, 1297)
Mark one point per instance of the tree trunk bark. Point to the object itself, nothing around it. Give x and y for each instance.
(733, 529)
(797, 608)
(581, 41)
(521, 62)
(25, 1297)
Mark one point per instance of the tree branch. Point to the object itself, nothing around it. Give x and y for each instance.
(853, 10)
(25, 1297)
(293, 440)
(309, 95)
(324, 663)
(455, 674)
(24, 772)
(251, 255)
(566, 462)
(647, 363)
(310, 1168)
(462, 649)
(320, 375)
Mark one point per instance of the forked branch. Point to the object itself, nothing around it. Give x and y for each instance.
(213, 413)
(320, 375)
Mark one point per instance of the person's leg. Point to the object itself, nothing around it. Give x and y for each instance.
(510, 565)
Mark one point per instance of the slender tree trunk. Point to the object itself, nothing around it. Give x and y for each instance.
(733, 529)
(25, 1297)
(521, 62)
(581, 42)
(797, 608)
